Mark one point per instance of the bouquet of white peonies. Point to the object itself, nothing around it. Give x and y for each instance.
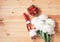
(44, 26)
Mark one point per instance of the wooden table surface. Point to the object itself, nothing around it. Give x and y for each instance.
(13, 28)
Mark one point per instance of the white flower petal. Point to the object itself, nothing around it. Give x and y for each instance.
(39, 24)
(43, 17)
(32, 32)
(46, 28)
(33, 20)
(50, 22)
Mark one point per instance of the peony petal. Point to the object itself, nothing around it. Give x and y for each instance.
(43, 17)
(50, 22)
(33, 20)
(46, 28)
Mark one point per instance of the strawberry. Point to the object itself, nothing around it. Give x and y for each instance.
(32, 10)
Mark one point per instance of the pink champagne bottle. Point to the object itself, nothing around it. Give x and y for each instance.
(31, 30)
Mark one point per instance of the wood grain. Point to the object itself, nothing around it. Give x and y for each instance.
(13, 27)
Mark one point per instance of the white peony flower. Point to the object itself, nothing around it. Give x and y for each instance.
(37, 23)
(43, 17)
(50, 22)
(32, 33)
(47, 28)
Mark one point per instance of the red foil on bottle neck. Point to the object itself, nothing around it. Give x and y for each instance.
(26, 17)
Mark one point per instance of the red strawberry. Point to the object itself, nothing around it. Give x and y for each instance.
(33, 10)
(31, 7)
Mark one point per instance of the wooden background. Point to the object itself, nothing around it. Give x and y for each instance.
(13, 28)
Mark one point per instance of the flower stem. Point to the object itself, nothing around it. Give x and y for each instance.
(47, 37)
